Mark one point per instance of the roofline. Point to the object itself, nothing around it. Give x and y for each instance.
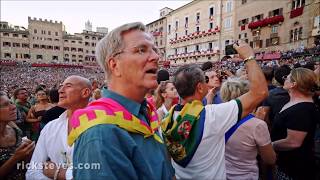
(155, 21)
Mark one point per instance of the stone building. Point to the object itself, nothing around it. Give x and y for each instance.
(200, 30)
(14, 42)
(158, 29)
(281, 26)
(194, 31)
(46, 41)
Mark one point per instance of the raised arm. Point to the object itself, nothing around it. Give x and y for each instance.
(258, 85)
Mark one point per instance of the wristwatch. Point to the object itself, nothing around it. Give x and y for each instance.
(250, 58)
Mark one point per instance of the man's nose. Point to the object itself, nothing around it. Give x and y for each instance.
(154, 55)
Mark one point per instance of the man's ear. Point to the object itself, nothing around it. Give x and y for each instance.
(86, 93)
(199, 88)
(114, 65)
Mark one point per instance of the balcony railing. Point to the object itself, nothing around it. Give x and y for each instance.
(195, 35)
(193, 54)
(296, 12)
(266, 22)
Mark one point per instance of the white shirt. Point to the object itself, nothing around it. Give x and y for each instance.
(208, 161)
(52, 144)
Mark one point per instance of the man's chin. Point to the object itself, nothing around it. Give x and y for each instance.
(152, 86)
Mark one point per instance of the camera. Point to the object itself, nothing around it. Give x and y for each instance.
(230, 50)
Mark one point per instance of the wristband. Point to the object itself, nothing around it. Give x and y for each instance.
(55, 177)
(251, 58)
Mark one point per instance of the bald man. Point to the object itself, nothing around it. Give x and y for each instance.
(52, 150)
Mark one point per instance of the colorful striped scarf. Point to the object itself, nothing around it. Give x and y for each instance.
(108, 111)
(183, 134)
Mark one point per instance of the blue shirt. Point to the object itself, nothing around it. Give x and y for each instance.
(119, 153)
(216, 99)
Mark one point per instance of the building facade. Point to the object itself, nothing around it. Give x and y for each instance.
(46, 41)
(15, 43)
(200, 30)
(194, 33)
(158, 29)
(282, 26)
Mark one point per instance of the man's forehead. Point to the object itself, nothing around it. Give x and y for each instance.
(137, 37)
(71, 80)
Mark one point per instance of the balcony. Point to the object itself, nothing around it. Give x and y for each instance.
(296, 12)
(267, 21)
(193, 54)
(155, 34)
(195, 35)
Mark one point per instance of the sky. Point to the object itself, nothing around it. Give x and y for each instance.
(74, 14)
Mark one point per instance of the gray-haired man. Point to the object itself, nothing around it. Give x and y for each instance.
(120, 130)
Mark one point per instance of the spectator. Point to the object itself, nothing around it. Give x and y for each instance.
(249, 137)
(268, 74)
(52, 144)
(294, 127)
(23, 106)
(166, 97)
(194, 134)
(214, 84)
(13, 149)
(122, 118)
(55, 111)
(37, 111)
(278, 97)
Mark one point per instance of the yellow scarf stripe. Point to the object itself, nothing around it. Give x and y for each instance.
(102, 118)
(193, 109)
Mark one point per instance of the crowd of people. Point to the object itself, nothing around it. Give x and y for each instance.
(226, 120)
(24, 75)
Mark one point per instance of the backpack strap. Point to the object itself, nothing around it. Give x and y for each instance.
(235, 127)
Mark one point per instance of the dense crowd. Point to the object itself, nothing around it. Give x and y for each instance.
(23, 75)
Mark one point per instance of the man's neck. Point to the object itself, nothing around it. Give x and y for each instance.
(70, 112)
(132, 93)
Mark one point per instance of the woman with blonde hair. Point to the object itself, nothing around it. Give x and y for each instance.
(166, 96)
(245, 140)
(294, 127)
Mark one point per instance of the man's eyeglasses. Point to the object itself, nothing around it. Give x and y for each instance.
(141, 50)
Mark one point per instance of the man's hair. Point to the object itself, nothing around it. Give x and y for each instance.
(113, 43)
(54, 95)
(16, 92)
(268, 73)
(162, 75)
(206, 66)
(282, 71)
(186, 79)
